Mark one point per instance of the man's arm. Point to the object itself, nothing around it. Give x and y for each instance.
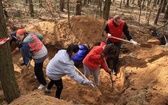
(17, 48)
(126, 32)
(106, 29)
(129, 37)
(15, 51)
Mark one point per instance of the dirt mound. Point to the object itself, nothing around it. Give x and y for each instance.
(147, 77)
(36, 98)
(83, 30)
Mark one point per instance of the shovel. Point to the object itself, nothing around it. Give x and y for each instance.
(98, 93)
(111, 78)
(166, 41)
(141, 45)
(112, 82)
(82, 75)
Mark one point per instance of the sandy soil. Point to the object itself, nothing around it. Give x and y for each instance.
(142, 80)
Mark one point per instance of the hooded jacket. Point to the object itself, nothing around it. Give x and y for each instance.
(83, 50)
(93, 59)
(61, 65)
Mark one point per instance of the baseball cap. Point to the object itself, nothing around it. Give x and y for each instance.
(20, 32)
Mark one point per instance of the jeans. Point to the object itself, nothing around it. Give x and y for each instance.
(59, 85)
(39, 73)
(116, 58)
(25, 59)
(95, 73)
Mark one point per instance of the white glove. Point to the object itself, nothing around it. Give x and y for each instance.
(133, 42)
(108, 35)
(166, 44)
(89, 83)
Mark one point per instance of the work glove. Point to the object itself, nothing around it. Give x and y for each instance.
(133, 42)
(108, 35)
(89, 83)
(109, 71)
(102, 54)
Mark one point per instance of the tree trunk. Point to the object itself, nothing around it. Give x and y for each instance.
(106, 9)
(158, 12)
(133, 1)
(166, 13)
(86, 2)
(127, 4)
(40, 3)
(89, 1)
(26, 1)
(139, 3)
(5, 12)
(7, 77)
(69, 25)
(157, 2)
(148, 10)
(124, 2)
(154, 3)
(62, 2)
(143, 4)
(31, 9)
(164, 6)
(120, 3)
(140, 10)
(78, 7)
(100, 6)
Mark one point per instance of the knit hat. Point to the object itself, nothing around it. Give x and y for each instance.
(20, 32)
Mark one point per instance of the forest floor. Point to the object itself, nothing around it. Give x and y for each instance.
(143, 79)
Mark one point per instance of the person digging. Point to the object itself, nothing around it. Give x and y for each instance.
(115, 27)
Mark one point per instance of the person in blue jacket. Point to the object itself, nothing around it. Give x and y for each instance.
(19, 46)
(78, 58)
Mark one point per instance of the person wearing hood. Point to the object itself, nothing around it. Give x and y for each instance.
(60, 65)
(96, 58)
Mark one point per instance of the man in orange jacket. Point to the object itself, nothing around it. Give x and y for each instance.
(115, 27)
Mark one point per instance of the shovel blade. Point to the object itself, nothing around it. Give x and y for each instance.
(146, 45)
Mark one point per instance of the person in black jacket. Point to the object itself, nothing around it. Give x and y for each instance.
(115, 27)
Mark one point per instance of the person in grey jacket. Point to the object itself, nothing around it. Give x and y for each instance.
(60, 65)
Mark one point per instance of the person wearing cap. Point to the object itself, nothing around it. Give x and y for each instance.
(96, 58)
(115, 27)
(33, 48)
(19, 45)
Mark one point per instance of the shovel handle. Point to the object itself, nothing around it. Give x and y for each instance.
(105, 63)
(111, 78)
(121, 39)
(82, 75)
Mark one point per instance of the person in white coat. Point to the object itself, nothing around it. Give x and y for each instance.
(60, 65)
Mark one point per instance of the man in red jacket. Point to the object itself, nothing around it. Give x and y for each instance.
(95, 58)
(115, 27)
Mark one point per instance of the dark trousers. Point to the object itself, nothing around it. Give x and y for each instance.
(59, 85)
(39, 73)
(116, 58)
